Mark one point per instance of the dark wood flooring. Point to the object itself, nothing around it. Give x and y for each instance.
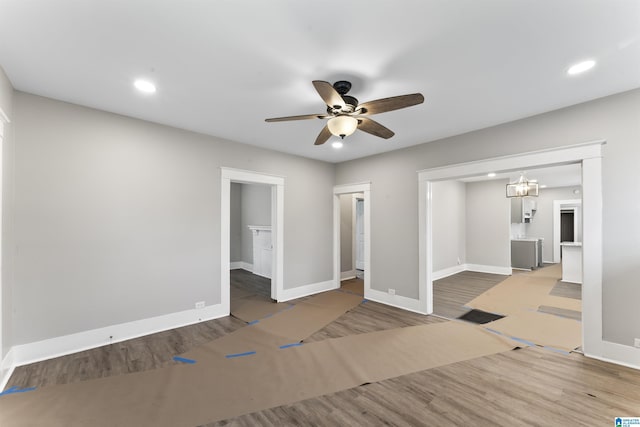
(450, 294)
(252, 283)
(530, 386)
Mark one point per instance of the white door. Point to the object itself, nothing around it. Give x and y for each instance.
(360, 234)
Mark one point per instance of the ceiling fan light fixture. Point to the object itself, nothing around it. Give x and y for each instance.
(342, 126)
(337, 144)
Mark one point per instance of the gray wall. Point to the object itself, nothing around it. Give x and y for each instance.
(542, 223)
(394, 201)
(449, 224)
(118, 219)
(235, 222)
(346, 233)
(488, 224)
(8, 237)
(250, 205)
(256, 210)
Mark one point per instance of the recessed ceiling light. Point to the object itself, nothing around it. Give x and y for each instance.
(144, 86)
(581, 67)
(491, 174)
(337, 144)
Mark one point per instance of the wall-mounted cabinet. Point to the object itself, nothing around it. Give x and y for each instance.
(522, 209)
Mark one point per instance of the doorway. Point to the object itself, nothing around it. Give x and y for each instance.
(360, 195)
(566, 225)
(276, 185)
(574, 227)
(589, 155)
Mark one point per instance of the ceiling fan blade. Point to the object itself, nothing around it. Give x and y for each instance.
(303, 117)
(374, 128)
(323, 136)
(328, 94)
(389, 104)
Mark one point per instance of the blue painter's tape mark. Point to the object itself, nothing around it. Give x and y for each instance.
(529, 343)
(557, 350)
(494, 331)
(253, 322)
(247, 353)
(184, 360)
(15, 389)
(295, 344)
(364, 301)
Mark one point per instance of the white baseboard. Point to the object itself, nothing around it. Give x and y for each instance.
(68, 344)
(618, 354)
(6, 369)
(397, 301)
(241, 265)
(346, 275)
(446, 272)
(493, 269)
(306, 290)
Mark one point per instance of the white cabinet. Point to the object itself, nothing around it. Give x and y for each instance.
(571, 262)
(523, 209)
(262, 250)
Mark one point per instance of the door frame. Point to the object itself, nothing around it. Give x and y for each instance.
(559, 205)
(4, 120)
(590, 156)
(355, 232)
(365, 189)
(229, 175)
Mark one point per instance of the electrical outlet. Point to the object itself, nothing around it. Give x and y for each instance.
(200, 304)
(636, 342)
(392, 291)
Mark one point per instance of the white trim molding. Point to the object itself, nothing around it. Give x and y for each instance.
(590, 156)
(306, 290)
(365, 189)
(60, 346)
(492, 269)
(346, 275)
(449, 271)
(229, 175)
(241, 265)
(398, 301)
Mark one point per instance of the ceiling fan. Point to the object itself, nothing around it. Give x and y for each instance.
(345, 115)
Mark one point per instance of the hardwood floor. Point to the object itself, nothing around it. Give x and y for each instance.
(527, 387)
(247, 281)
(530, 386)
(450, 294)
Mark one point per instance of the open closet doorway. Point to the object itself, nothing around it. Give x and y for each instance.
(352, 231)
(270, 254)
(251, 246)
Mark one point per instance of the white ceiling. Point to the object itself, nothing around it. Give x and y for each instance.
(554, 176)
(222, 67)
